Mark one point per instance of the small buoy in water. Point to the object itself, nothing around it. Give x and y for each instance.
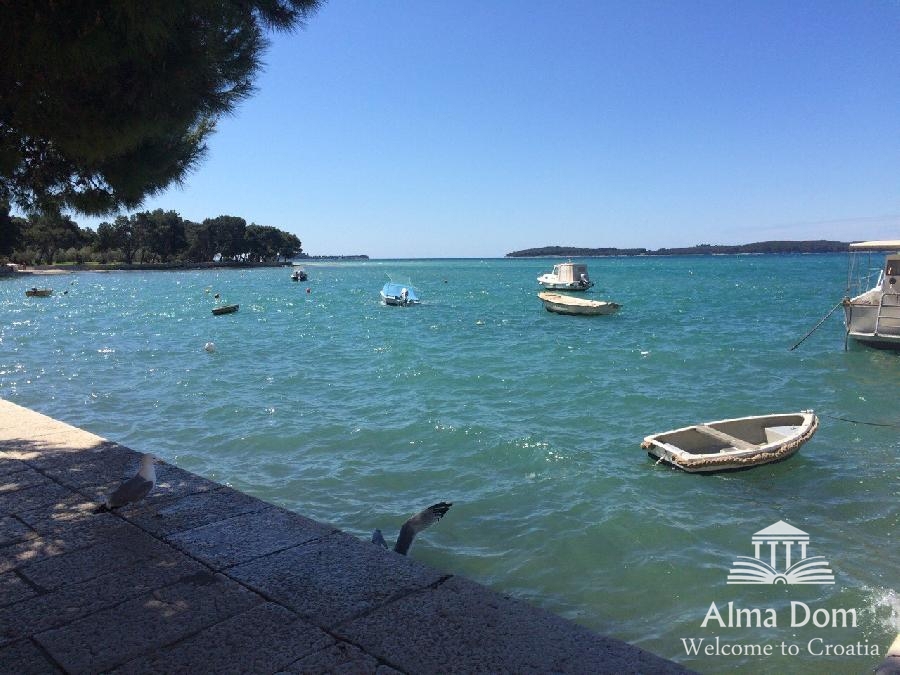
(307, 290)
(210, 347)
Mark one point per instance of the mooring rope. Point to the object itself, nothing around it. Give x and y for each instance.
(871, 424)
(815, 328)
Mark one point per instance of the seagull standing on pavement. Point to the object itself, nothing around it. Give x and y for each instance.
(135, 488)
(413, 526)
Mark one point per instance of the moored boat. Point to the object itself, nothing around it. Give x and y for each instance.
(225, 309)
(298, 275)
(872, 316)
(566, 304)
(399, 295)
(39, 292)
(567, 276)
(731, 444)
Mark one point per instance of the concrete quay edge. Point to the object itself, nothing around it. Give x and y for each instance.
(202, 578)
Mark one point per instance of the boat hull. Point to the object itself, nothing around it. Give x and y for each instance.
(225, 309)
(562, 304)
(39, 292)
(873, 325)
(872, 318)
(551, 285)
(733, 444)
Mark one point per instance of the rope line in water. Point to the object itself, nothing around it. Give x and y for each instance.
(815, 328)
(871, 424)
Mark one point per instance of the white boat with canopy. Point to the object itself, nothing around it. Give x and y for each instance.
(567, 276)
(872, 310)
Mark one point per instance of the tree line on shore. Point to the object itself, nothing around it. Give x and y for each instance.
(146, 237)
(819, 246)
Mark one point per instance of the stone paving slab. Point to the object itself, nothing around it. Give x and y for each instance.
(442, 630)
(13, 531)
(15, 418)
(180, 514)
(122, 547)
(245, 537)
(202, 578)
(23, 478)
(342, 657)
(34, 549)
(146, 623)
(13, 588)
(9, 466)
(33, 497)
(264, 639)
(75, 601)
(65, 516)
(336, 579)
(25, 658)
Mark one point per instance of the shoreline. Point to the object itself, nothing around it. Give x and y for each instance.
(206, 578)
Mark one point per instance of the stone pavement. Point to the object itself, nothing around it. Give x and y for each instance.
(200, 578)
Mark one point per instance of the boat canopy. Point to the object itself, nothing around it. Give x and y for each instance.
(569, 272)
(885, 245)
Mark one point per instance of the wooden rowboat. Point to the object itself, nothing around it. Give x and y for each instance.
(39, 292)
(225, 309)
(566, 304)
(731, 444)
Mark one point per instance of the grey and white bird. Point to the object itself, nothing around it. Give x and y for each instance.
(413, 526)
(135, 488)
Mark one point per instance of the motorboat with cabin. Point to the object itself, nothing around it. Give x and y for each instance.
(567, 276)
(400, 295)
(872, 311)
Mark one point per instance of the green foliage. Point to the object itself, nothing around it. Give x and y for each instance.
(47, 233)
(106, 102)
(148, 237)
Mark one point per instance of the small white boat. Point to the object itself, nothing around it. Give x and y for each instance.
(399, 295)
(298, 275)
(567, 276)
(872, 317)
(39, 292)
(731, 444)
(566, 304)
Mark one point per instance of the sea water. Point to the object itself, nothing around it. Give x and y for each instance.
(319, 398)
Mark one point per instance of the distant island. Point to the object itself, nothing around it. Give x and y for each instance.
(820, 246)
(359, 256)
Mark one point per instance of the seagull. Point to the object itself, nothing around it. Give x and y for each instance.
(413, 526)
(135, 488)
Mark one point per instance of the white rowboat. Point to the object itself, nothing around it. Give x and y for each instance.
(738, 443)
(566, 304)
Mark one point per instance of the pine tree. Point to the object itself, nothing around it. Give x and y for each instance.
(106, 102)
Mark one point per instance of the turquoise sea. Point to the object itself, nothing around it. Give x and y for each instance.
(358, 414)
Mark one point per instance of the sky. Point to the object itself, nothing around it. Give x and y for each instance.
(417, 128)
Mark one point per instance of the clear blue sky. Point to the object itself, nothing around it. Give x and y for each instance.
(479, 127)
